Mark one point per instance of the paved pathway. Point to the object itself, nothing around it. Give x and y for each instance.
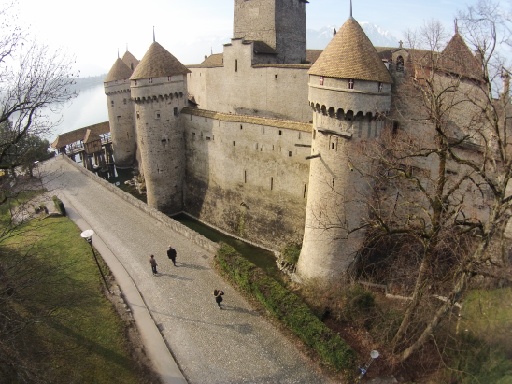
(235, 345)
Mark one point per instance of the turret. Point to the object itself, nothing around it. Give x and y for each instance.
(120, 113)
(280, 24)
(350, 93)
(159, 91)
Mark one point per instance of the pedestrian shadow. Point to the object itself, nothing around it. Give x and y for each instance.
(177, 277)
(192, 266)
(240, 310)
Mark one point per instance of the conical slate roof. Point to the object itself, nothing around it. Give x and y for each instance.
(130, 60)
(457, 58)
(119, 71)
(351, 55)
(157, 62)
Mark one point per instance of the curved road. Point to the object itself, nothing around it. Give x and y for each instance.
(234, 345)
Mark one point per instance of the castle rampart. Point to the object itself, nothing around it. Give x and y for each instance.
(272, 91)
(247, 175)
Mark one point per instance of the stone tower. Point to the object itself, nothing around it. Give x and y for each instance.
(120, 113)
(349, 92)
(281, 24)
(159, 91)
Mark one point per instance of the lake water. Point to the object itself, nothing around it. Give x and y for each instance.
(88, 108)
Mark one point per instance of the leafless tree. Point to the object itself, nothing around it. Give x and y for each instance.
(34, 80)
(440, 190)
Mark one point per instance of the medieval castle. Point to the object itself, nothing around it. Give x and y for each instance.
(261, 140)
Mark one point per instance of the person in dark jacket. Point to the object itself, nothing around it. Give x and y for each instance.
(218, 297)
(153, 264)
(171, 254)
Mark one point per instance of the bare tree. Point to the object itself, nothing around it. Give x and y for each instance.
(34, 80)
(440, 189)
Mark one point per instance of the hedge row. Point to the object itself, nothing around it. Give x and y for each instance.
(288, 308)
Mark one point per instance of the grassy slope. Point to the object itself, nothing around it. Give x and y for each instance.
(77, 336)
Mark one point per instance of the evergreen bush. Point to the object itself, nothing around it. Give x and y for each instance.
(287, 307)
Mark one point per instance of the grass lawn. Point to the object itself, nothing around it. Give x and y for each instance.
(486, 329)
(61, 326)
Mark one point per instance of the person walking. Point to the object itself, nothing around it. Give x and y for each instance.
(171, 254)
(153, 264)
(218, 297)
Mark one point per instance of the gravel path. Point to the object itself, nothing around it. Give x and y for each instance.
(233, 345)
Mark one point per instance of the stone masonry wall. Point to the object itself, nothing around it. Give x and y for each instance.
(122, 126)
(247, 176)
(273, 91)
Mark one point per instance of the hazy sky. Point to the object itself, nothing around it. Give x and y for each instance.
(93, 30)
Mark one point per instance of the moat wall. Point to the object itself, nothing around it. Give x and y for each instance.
(247, 176)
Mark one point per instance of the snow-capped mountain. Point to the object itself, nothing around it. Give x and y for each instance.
(318, 39)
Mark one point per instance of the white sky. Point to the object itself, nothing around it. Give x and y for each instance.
(93, 30)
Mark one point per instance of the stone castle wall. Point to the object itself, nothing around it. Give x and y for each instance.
(247, 176)
(158, 103)
(120, 116)
(278, 92)
(281, 24)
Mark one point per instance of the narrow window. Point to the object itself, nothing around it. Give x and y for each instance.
(233, 143)
(379, 87)
(395, 127)
(305, 190)
(245, 176)
(332, 145)
(118, 118)
(124, 101)
(241, 127)
(289, 153)
(332, 183)
(299, 135)
(138, 117)
(256, 147)
(321, 80)
(271, 183)
(276, 76)
(350, 83)
(111, 103)
(314, 134)
(150, 80)
(236, 65)
(280, 133)
(175, 111)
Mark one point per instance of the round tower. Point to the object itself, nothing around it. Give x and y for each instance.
(120, 113)
(159, 91)
(349, 92)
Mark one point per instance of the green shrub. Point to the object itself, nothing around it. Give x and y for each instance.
(288, 308)
(472, 360)
(59, 205)
(291, 253)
